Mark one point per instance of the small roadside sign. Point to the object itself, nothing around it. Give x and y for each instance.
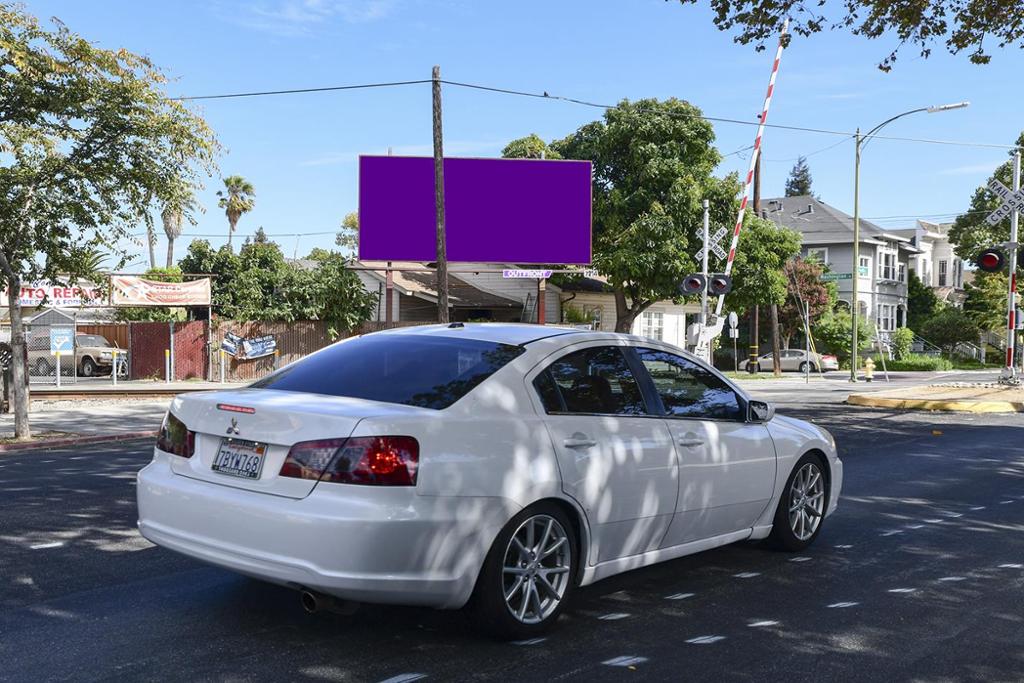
(832, 277)
(1010, 201)
(532, 274)
(734, 320)
(62, 340)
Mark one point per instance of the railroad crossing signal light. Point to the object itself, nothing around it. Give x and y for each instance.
(719, 285)
(692, 284)
(991, 260)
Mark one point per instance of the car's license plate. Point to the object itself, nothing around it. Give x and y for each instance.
(240, 458)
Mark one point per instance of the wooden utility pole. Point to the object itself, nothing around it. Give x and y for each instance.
(442, 256)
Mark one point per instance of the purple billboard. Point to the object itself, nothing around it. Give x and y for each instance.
(496, 210)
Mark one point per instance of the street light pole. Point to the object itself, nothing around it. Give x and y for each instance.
(860, 141)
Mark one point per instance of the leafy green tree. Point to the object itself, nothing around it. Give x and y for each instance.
(341, 300)
(178, 206)
(652, 165)
(986, 300)
(90, 142)
(759, 276)
(348, 236)
(949, 327)
(922, 304)
(799, 182)
(237, 198)
(971, 233)
(963, 25)
(804, 285)
(833, 332)
(530, 147)
(319, 254)
(901, 339)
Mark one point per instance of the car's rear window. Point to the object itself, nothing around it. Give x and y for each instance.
(415, 370)
(92, 340)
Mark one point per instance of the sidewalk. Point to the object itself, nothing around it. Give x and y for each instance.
(103, 386)
(65, 419)
(972, 397)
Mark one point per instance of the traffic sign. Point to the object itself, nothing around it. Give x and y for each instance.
(1010, 201)
(713, 247)
(62, 340)
(832, 277)
(734, 320)
(518, 273)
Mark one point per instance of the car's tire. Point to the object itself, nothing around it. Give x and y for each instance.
(805, 366)
(802, 505)
(88, 367)
(511, 586)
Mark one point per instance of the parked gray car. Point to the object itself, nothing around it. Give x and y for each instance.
(797, 360)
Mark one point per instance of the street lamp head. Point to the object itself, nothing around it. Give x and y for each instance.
(948, 107)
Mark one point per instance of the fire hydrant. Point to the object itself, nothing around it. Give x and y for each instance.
(869, 369)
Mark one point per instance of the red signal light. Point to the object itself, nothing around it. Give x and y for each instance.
(990, 260)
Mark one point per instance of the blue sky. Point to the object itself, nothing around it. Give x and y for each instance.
(300, 151)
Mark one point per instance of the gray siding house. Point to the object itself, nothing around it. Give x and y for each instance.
(884, 261)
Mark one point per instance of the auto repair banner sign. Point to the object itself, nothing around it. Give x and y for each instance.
(40, 293)
(130, 290)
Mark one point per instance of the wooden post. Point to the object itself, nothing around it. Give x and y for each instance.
(389, 290)
(541, 288)
(442, 256)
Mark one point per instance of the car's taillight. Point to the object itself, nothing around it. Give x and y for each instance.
(370, 460)
(175, 438)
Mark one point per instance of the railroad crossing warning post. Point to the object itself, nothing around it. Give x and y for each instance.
(1011, 203)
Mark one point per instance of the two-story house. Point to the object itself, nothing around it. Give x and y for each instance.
(883, 262)
(937, 265)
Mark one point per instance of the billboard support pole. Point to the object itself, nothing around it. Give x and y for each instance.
(541, 288)
(389, 290)
(442, 257)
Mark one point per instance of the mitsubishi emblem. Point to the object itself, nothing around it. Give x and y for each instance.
(233, 427)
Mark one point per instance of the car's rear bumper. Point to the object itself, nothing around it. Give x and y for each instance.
(369, 544)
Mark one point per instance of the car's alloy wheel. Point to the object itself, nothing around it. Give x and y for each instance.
(807, 501)
(536, 569)
(529, 574)
(805, 366)
(88, 368)
(802, 505)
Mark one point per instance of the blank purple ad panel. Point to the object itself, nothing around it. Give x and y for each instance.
(496, 210)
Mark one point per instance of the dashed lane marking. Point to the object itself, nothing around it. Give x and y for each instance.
(840, 605)
(615, 616)
(679, 596)
(892, 532)
(977, 507)
(1005, 502)
(953, 578)
(844, 547)
(802, 558)
(624, 660)
(404, 678)
(44, 546)
(1011, 566)
(915, 527)
(746, 575)
(705, 640)
(530, 641)
(761, 624)
(902, 590)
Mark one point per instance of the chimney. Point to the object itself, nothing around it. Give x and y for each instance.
(810, 208)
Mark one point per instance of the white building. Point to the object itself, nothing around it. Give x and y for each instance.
(937, 265)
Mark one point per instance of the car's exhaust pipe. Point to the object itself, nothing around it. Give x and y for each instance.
(314, 602)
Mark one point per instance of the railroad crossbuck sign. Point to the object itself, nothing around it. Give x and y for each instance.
(713, 247)
(1011, 201)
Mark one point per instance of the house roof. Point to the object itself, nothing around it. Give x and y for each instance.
(820, 223)
(586, 284)
(423, 284)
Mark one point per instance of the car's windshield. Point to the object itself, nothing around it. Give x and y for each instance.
(91, 340)
(412, 369)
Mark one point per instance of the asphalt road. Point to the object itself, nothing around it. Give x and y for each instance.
(918, 576)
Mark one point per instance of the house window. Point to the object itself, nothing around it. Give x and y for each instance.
(886, 317)
(864, 267)
(958, 273)
(652, 325)
(593, 314)
(887, 266)
(819, 254)
(942, 273)
(903, 272)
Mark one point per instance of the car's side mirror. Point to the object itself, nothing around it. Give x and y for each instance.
(760, 411)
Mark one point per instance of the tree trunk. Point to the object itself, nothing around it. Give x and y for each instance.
(624, 315)
(170, 252)
(151, 238)
(776, 354)
(18, 370)
(231, 231)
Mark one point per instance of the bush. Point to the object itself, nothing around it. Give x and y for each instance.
(900, 340)
(916, 362)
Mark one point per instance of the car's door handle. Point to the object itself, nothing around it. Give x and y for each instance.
(690, 441)
(579, 443)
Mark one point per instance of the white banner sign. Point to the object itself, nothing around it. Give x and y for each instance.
(129, 290)
(512, 273)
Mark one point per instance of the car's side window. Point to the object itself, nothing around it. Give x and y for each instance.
(688, 389)
(595, 380)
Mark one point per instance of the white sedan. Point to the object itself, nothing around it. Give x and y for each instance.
(497, 466)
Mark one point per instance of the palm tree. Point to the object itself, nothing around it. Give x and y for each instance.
(236, 198)
(172, 218)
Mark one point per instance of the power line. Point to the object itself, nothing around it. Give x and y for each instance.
(296, 91)
(252, 234)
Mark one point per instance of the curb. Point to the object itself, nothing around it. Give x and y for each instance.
(75, 441)
(952, 405)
